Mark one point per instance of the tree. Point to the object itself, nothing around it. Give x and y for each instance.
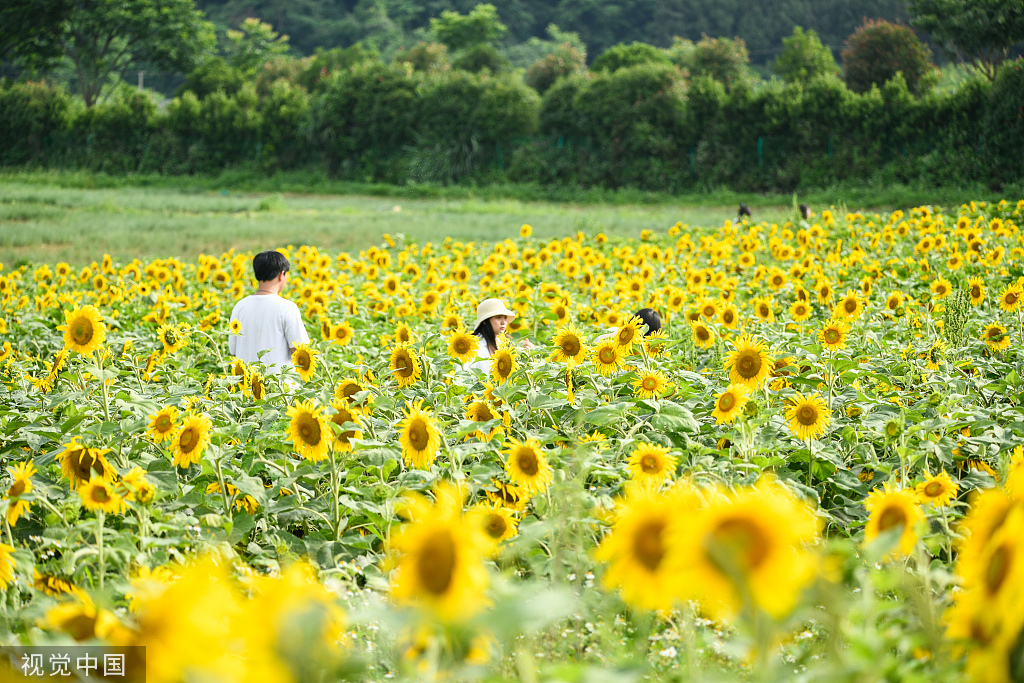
(566, 60)
(254, 44)
(980, 32)
(623, 56)
(460, 32)
(727, 61)
(878, 49)
(803, 57)
(103, 37)
(27, 30)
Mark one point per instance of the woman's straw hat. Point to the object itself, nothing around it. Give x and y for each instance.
(489, 308)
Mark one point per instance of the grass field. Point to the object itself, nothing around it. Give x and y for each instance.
(40, 223)
(79, 217)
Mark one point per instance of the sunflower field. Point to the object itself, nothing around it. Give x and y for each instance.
(813, 472)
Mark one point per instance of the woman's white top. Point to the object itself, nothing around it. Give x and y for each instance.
(483, 355)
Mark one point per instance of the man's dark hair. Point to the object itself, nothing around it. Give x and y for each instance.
(268, 265)
(651, 319)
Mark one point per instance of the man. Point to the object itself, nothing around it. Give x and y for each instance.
(270, 326)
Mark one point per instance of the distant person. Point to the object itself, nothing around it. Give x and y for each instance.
(270, 326)
(744, 212)
(651, 318)
(805, 212)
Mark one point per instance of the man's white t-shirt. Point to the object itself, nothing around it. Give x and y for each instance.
(270, 326)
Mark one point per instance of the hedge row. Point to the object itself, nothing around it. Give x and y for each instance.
(647, 126)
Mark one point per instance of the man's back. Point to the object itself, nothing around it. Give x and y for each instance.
(270, 327)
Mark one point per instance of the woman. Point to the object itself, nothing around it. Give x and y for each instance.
(492, 319)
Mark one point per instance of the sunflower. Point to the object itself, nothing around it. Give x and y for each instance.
(80, 464)
(808, 416)
(976, 288)
(497, 522)
(938, 490)
(608, 357)
(420, 437)
(527, 467)
(849, 307)
(747, 546)
(800, 311)
(257, 386)
(99, 494)
(833, 335)
(729, 403)
(343, 439)
(763, 309)
(7, 565)
(342, 334)
(503, 363)
(172, 338)
(22, 484)
(84, 330)
(729, 317)
(650, 465)
(304, 358)
(703, 337)
(1011, 298)
(462, 345)
(235, 327)
(893, 509)
(481, 411)
(569, 346)
(405, 365)
(163, 423)
(996, 336)
(749, 364)
(441, 567)
(651, 384)
(640, 550)
(191, 440)
(308, 431)
(403, 334)
(941, 288)
(508, 495)
(346, 391)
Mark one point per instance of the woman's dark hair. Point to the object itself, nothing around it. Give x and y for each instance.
(485, 330)
(268, 265)
(651, 319)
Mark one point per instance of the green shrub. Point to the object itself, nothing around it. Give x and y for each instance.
(1003, 126)
(566, 60)
(803, 57)
(213, 75)
(34, 117)
(479, 57)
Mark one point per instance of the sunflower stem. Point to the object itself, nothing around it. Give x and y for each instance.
(810, 464)
(49, 505)
(7, 527)
(98, 358)
(99, 544)
(223, 488)
(335, 508)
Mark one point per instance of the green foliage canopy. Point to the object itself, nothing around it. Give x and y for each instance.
(803, 57)
(878, 49)
(980, 32)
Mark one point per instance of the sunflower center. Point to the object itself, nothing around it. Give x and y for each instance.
(81, 331)
(739, 543)
(647, 544)
(163, 423)
(403, 364)
(650, 464)
(807, 415)
(435, 565)
(998, 568)
(483, 414)
(703, 334)
(762, 311)
(461, 346)
(257, 389)
(17, 488)
(100, 495)
(975, 291)
(495, 526)
(1011, 298)
(418, 434)
(607, 356)
(933, 489)
(728, 317)
(650, 383)
(403, 336)
(570, 346)
(188, 440)
(833, 336)
(303, 360)
(891, 518)
(748, 364)
(941, 289)
(527, 461)
(726, 402)
(308, 428)
(504, 365)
